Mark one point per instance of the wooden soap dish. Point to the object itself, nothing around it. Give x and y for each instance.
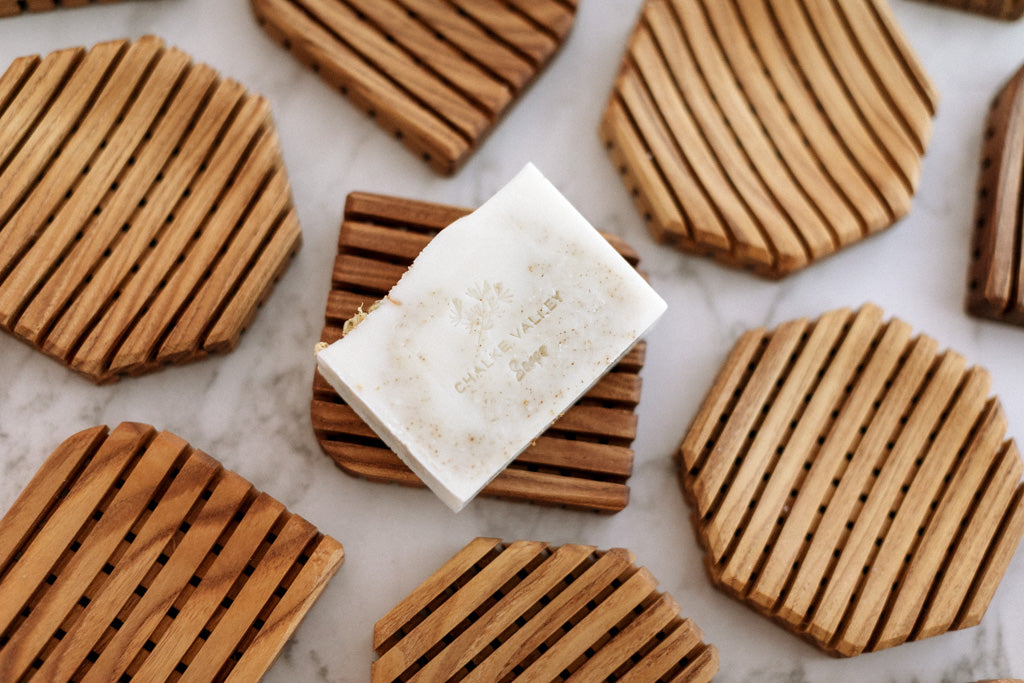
(524, 609)
(854, 483)
(145, 211)
(1001, 9)
(132, 556)
(583, 461)
(995, 287)
(768, 135)
(10, 8)
(438, 75)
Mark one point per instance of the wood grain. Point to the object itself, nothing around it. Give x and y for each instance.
(146, 212)
(995, 288)
(584, 460)
(437, 75)
(496, 611)
(854, 483)
(131, 555)
(1001, 9)
(768, 134)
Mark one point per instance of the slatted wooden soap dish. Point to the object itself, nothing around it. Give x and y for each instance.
(524, 610)
(145, 211)
(438, 75)
(853, 483)
(132, 556)
(1001, 9)
(768, 135)
(10, 8)
(583, 461)
(995, 288)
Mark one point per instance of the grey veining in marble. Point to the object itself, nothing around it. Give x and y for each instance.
(250, 408)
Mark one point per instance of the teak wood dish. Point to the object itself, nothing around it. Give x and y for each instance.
(854, 483)
(496, 611)
(995, 287)
(768, 135)
(583, 461)
(132, 556)
(437, 75)
(145, 211)
(9, 8)
(1001, 9)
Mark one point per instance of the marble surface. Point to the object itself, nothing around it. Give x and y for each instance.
(250, 408)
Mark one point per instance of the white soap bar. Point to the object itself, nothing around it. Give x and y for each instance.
(506, 318)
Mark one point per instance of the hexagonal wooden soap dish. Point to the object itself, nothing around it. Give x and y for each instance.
(768, 135)
(499, 610)
(131, 555)
(145, 211)
(853, 483)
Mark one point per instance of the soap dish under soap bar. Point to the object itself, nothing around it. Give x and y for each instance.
(583, 461)
(505, 319)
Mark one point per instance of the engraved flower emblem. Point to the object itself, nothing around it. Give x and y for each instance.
(477, 310)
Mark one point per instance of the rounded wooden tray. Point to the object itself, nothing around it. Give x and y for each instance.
(132, 556)
(438, 75)
(496, 611)
(853, 483)
(770, 134)
(583, 461)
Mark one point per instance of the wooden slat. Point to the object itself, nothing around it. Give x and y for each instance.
(849, 507)
(113, 245)
(995, 286)
(151, 559)
(545, 613)
(437, 75)
(798, 131)
(586, 451)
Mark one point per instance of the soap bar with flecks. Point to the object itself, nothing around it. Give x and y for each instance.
(501, 323)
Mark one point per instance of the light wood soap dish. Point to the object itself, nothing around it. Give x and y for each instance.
(583, 461)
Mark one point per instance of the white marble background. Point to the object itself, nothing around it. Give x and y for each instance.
(250, 408)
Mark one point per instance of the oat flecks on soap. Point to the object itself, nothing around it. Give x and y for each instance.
(501, 323)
